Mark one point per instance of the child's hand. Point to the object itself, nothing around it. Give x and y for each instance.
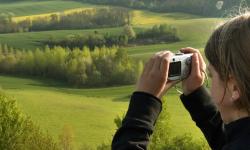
(197, 76)
(154, 79)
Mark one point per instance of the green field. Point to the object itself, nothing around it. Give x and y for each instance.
(193, 30)
(90, 112)
(33, 40)
(40, 7)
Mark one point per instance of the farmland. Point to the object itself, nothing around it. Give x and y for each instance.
(90, 112)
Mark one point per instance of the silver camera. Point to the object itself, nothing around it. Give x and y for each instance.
(180, 66)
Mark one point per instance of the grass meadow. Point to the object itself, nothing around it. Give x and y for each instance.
(90, 112)
(22, 9)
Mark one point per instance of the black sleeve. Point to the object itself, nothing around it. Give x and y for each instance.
(138, 124)
(206, 116)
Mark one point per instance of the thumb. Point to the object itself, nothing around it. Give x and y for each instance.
(195, 66)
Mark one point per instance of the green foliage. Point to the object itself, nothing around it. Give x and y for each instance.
(91, 40)
(185, 142)
(158, 34)
(17, 132)
(101, 67)
(66, 138)
(103, 147)
(161, 135)
(129, 32)
(199, 7)
(162, 138)
(118, 121)
(89, 18)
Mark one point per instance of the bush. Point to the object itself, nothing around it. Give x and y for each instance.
(66, 138)
(162, 138)
(91, 41)
(185, 142)
(18, 132)
(158, 34)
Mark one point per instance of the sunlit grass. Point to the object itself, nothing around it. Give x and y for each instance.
(29, 8)
(33, 17)
(91, 111)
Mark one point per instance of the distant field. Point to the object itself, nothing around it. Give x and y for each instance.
(193, 31)
(90, 112)
(41, 7)
(33, 40)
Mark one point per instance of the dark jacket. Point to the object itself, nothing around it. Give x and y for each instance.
(144, 110)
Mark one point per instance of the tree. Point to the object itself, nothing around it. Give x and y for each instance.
(129, 32)
(18, 132)
(101, 67)
(71, 69)
(40, 62)
(29, 62)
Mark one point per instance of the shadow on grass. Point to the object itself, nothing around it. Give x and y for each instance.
(125, 98)
(177, 16)
(115, 93)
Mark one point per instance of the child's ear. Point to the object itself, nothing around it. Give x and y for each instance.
(233, 89)
(235, 94)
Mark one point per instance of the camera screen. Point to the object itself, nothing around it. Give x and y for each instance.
(174, 69)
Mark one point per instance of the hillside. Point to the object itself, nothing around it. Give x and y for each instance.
(91, 112)
(141, 19)
(29, 8)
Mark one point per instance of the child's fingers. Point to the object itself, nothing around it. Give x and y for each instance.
(195, 72)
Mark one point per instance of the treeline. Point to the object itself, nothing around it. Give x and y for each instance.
(80, 68)
(89, 18)
(199, 7)
(92, 41)
(157, 34)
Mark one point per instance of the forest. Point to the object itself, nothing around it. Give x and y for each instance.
(79, 68)
(217, 8)
(85, 19)
(157, 34)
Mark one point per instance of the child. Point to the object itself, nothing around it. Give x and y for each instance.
(222, 115)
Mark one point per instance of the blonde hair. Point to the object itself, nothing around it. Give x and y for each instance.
(228, 51)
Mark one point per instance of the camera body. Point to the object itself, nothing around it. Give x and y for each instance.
(180, 66)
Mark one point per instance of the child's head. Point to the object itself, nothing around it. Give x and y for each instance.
(228, 53)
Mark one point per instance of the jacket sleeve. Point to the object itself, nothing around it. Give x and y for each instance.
(138, 124)
(206, 116)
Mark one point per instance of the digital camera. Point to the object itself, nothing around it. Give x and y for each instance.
(180, 66)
